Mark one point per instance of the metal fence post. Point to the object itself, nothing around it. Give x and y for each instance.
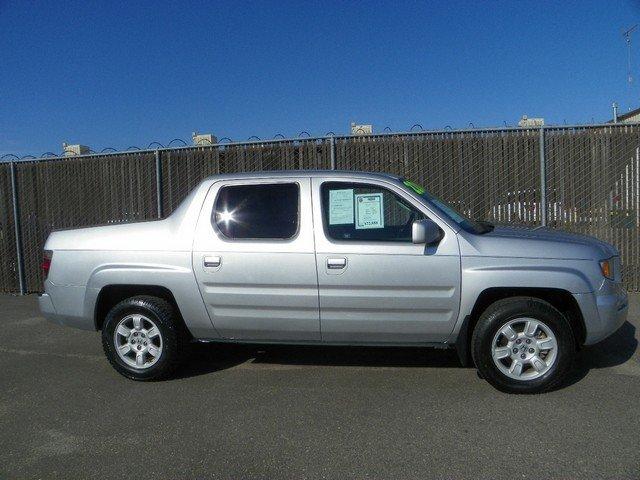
(18, 233)
(332, 146)
(543, 180)
(159, 183)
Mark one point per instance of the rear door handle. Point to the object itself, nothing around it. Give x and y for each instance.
(336, 263)
(212, 261)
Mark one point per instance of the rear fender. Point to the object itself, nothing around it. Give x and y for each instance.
(177, 277)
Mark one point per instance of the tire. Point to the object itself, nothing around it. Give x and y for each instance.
(545, 352)
(152, 347)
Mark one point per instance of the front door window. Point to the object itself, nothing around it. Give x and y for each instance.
(366, 213)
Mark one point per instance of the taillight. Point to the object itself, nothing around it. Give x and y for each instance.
(46, 263)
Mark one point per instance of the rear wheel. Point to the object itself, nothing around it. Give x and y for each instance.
(523, 345)
(141, 338)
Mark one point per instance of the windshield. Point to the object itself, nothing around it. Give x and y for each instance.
(465, 223)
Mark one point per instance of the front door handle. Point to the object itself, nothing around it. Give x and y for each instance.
(336, 263)
(212, 261)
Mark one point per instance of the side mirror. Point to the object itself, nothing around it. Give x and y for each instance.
(425, 231)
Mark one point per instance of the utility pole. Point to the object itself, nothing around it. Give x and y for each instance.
(627, 36)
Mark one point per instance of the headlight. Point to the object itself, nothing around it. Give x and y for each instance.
(606, 266)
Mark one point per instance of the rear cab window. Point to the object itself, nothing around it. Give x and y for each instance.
(258, 211)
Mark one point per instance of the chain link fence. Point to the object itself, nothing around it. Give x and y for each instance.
(582, 179)
(593, 180)
(184, 168)
(76, 192)
(8, 266)
(488, 175)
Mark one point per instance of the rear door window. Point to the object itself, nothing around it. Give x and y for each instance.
(259, 211)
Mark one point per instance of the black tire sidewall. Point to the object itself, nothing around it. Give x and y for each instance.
(157, 312)
(502, 312)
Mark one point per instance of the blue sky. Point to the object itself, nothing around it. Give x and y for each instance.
(130, 73)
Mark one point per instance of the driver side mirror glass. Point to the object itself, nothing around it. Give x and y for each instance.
(425, 231)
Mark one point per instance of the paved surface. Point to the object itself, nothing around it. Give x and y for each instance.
(285, 412)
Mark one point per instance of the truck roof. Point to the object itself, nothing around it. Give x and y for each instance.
(303, 173)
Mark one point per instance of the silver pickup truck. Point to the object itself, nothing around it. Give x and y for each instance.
(335, 258)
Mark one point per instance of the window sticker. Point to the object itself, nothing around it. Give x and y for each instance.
(340, 206)
(369, 212)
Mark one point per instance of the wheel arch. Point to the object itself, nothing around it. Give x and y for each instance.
(561, 299)
(111, 295)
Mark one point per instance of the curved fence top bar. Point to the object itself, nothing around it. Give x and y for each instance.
(306, 137)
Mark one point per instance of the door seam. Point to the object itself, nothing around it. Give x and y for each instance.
(315, 255)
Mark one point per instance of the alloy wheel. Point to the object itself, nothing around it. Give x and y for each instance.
(524, 349)
(138, 341)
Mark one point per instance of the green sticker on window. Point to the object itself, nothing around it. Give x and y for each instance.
(415, 187)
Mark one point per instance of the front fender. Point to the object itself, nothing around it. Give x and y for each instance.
(482, 273)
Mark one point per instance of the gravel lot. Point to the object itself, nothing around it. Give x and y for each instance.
(305, 412)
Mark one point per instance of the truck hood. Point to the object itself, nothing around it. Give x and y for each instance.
(536, 243)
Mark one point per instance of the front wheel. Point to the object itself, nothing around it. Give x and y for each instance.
(141, 338)
(523, 345)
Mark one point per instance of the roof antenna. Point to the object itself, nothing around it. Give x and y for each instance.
(627, 36)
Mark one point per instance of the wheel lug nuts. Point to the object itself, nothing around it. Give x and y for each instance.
(145, 344)
(531, 350)
(518, 341)
(140, 348)
(522, 356)
(515, 350)
(528, 340)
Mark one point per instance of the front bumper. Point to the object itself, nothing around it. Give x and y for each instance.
(603, 313)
